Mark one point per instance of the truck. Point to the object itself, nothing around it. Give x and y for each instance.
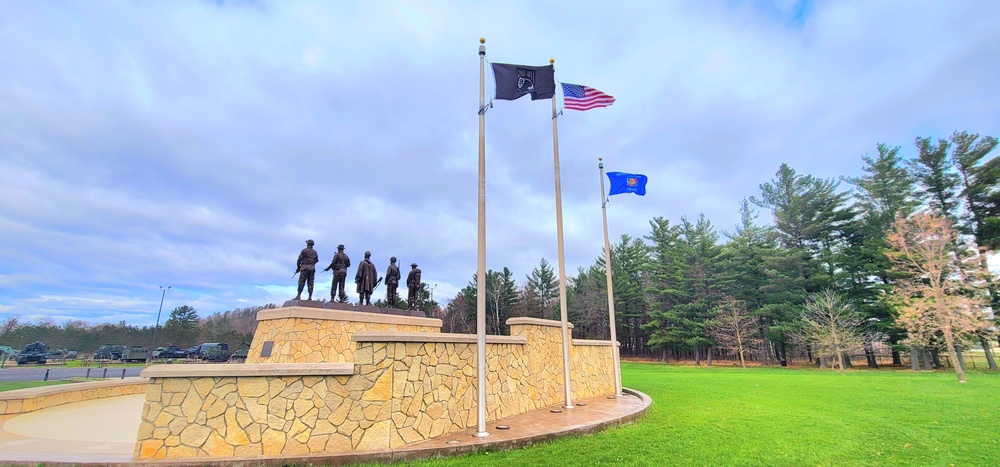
(214, 352)
(109, 352)
(36, 352)
(134, 353)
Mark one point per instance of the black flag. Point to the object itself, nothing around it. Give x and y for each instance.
(514, 81)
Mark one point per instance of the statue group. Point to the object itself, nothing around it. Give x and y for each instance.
(366, 277)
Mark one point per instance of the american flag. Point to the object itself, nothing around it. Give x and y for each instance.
(577, 97)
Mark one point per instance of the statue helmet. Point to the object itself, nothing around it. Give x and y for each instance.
(392, 260)
(340, 247)
(310, 242)
(414, 265)
(367, 254)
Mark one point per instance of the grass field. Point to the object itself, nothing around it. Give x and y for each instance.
(798, 417)
(12, 385)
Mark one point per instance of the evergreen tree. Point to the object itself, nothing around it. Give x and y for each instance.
(937, 183)
(544, 284)
(181, 327)
(629, 258)
(885, 192)
(685, 284)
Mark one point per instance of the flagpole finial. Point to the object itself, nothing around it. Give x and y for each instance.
(482, 46)
(600, 158)
(482, 40)
(552, 61)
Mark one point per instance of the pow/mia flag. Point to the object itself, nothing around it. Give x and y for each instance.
(514, 81)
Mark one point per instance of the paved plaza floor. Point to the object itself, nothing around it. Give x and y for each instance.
(103, 432)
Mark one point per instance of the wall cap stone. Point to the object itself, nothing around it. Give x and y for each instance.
(248, 369)
(590, 342)
(28, 393)
(399, 336)
(343, 315)
(536, 322)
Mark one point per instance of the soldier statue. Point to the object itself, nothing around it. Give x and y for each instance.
(413, 282)
(366, 279)
(305, 267)
(339, 265)
(391, 282)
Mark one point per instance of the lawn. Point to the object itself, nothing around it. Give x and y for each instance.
(12, 385)
(777, 416)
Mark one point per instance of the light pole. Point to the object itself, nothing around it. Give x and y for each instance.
(152, 345)
(432, 292)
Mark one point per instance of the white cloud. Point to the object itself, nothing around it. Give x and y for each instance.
(197, 145)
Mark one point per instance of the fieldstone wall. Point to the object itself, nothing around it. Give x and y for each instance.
(405, 387)
(32, 399)
(311, 335)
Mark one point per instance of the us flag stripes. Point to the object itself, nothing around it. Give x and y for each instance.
(578, 97)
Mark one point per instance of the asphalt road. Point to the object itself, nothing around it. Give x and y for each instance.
(36, 373)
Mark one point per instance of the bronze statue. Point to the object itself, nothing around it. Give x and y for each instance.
(366, 279)
(391, 282)
(339, 265)
(413, 282)
(305, 267)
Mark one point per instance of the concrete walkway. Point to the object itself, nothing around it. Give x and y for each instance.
(103, 432)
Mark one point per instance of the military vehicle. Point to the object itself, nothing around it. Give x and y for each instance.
(109, 352)
(36, 352)
(239, 356)
(135, 353)
(214, 352)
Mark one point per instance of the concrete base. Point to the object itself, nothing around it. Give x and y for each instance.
(339, 306)
(305, 303)
(368, 309)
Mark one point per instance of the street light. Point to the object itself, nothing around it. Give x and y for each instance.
(432, 292)
(152, 345)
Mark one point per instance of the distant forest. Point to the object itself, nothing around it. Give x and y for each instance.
(880, 267)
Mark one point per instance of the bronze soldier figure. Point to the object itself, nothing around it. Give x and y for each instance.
(306, 268)
(391, 282)
(339, 265)
(365, 278)
(413, 282)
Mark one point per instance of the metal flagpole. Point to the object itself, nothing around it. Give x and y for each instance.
(611, 289)
(562, 257)
(481, 271)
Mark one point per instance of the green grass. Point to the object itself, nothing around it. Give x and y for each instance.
(796, 417)
(12, 385)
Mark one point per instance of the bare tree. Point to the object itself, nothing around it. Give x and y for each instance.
(734, 329)
(831, 326)
(939, 292)
(10, 324)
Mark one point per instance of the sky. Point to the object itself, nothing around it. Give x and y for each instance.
(197, 145)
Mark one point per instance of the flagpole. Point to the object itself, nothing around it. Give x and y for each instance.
(562, 255)
(481, 270)
(611, 289)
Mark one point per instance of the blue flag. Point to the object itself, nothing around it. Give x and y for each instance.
(622, 182)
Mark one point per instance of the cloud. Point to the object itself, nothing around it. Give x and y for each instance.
(198, 144)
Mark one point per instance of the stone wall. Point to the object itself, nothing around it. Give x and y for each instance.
(31, 399)
(312, 335)
(403, 387)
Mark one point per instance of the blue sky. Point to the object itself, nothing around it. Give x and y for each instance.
(198, 144)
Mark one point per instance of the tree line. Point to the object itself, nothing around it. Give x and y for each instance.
(848, 249)
(891, 262)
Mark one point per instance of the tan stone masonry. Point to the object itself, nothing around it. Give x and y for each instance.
(31, 399)
(399, 386)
